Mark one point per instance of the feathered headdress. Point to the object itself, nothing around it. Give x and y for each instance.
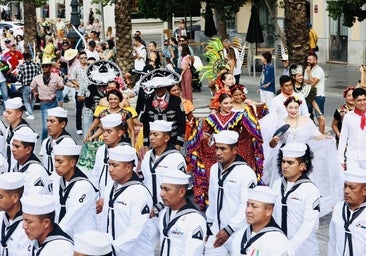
(214, 52)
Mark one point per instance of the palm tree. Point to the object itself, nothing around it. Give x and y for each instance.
(30, 24)
(297, 31)
(122, 12)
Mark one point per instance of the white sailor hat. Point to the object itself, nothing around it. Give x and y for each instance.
(25, 135)
(11, 180)
(262, 194)
(175, 176)
(67, 150)
(161, 126)
(355, 175)
(57, 112)
(226, 137)
(38, 204)
(123, 153)
(92, 243)
(111, 120)
(293, 150)
(14, 103)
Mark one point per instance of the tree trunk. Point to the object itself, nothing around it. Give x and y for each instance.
(30, 25)
(221, 24)
(297, 32)
(122, 19)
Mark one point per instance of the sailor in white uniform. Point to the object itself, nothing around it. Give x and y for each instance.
(74, 194)
(297, 208)
(129, 203)
(56, 123)
(47, 237)
(13, 116)
(14, 242)
(36, 179)
(162, 156)
(347, 229)
(92, 243)
(182, 227)
(262, 236)
(113, 135)
(230, 179)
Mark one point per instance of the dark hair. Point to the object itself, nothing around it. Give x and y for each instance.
(114, 82)
(185, 50)
(284, 79)
(358, 92)
(92, 58)
(92, 43)
(237, 87)
(28, 144)
(174, 40)
(50, 216)
(224, 96)
(313, 54)
(82, 53)
(306, 158)
(116, 93)
(18, 191)
(110, 43)
(267, 56)
(62, 119)
(185, 38)
(292, 99)
(224, 75)
(137, 38)
(27, 56)
(104, 46)
(349, 88)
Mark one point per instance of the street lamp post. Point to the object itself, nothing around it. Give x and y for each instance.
(74, 20)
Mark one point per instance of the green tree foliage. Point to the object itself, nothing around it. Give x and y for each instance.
(352, 10)
(38, 3)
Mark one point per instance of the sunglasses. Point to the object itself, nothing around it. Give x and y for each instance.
(83, 58)
(46, 66)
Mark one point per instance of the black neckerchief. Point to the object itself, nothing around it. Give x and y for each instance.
(247, 239)
(348, 219)
(22, 123)
(221, 176)
(32, 159)
(8, 229)
(46, 79)
(153, 163)
(64, 190)
(168, 223)
(114, 194)
(49, 148)
(302, 179)
(55, 234)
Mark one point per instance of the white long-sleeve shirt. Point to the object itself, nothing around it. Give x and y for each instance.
(352, 138)
(302, 216)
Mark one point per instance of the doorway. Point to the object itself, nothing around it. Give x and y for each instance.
(338, 41)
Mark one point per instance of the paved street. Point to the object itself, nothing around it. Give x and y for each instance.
(338, 77)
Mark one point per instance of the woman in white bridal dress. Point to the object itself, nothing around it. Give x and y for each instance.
(327, 174)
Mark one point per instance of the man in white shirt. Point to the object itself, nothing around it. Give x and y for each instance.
(91, 51)
(230, 179)
(352, 144)
(347, 234)
(13, 239)
(297, 208)
(263, 236)
(315, 76)
(48, 239)
(180, 216)
(139, 53)
(287, 90)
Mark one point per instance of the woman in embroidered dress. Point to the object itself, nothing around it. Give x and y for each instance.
(114, 98)
(249, 144)
(342, 110)
(327, 174)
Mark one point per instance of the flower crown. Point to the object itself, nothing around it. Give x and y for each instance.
(294, 98)
(121, 82)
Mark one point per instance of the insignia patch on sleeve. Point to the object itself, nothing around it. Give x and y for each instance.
(39, 182)
(197, 233)
(316, 205)
(81, 199)
(145, 210)
(251, 185)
